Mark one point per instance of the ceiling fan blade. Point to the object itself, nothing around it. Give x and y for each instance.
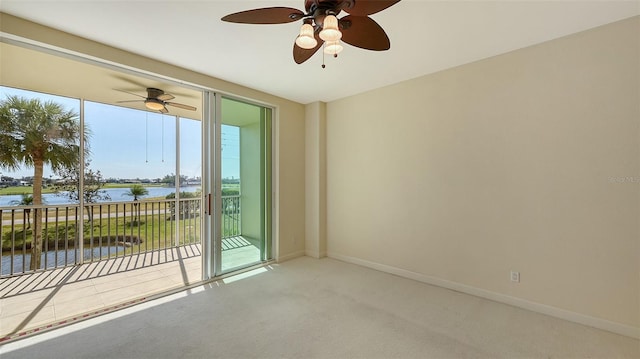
(128, 79)
(164, 110)
(269, 15)
(165, 97)
(301, 55)
(130, 101)
(180, 105)
(131, 93)
(368, 7)
(364, 33)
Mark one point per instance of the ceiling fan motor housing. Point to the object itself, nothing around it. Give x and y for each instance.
(318, 9)
(157, 100)
(153, 93)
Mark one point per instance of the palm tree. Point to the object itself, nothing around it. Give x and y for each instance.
(34, 133)
(26, 200)
(136, 191)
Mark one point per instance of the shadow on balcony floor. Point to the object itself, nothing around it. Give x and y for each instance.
(39, 300)
(51, 298)
(33, 282)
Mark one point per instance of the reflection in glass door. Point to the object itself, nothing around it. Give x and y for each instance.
(245, 216)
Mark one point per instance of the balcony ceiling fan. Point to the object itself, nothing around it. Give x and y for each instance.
(158, 100)
(322, 27)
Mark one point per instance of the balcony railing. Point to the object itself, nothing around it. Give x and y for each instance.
(231, 216)
(108, 230)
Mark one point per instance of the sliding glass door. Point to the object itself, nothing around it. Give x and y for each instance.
(245, 184)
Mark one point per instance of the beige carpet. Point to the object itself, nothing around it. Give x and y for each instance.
(308, 308)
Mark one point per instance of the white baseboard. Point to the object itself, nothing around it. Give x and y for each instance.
(603, 324)
(315, 254)
(286, 257)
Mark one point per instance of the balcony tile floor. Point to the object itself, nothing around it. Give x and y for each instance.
(54, 297)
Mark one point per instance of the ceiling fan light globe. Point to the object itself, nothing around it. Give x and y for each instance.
(330, 30)
(306, 40)
(333, 47)
(154, 105)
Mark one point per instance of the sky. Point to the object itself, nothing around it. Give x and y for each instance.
(128, 143)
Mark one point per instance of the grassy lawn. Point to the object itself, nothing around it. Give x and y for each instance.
(18, 190)
(151, 221)
(152, 232)
(155, 232)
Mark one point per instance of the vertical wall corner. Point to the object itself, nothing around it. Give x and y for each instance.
(315, 180)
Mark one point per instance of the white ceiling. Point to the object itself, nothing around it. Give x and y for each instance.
(426, 37)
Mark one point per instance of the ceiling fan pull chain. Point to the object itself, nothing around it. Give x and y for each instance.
(323, 65)
(146, 136)
(162, 152)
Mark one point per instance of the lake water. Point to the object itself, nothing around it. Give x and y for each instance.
(51, 258)
(116, 194)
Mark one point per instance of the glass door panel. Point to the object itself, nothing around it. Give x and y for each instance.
(245, 217)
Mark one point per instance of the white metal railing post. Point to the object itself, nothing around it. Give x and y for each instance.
(177, 185)
(80, 222)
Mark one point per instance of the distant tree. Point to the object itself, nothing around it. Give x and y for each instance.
(230, 180)
(92, 190)
(186, 208)
(170, 179)
(136, 191)
(34, 133)
(26, 200)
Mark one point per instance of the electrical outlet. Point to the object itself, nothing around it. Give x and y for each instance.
(515, 277)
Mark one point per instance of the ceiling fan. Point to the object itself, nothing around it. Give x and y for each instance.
(322, 27)
(158, 100)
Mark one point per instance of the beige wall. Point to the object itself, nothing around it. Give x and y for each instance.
(315, 180)
(289, 124)
(527, 161)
